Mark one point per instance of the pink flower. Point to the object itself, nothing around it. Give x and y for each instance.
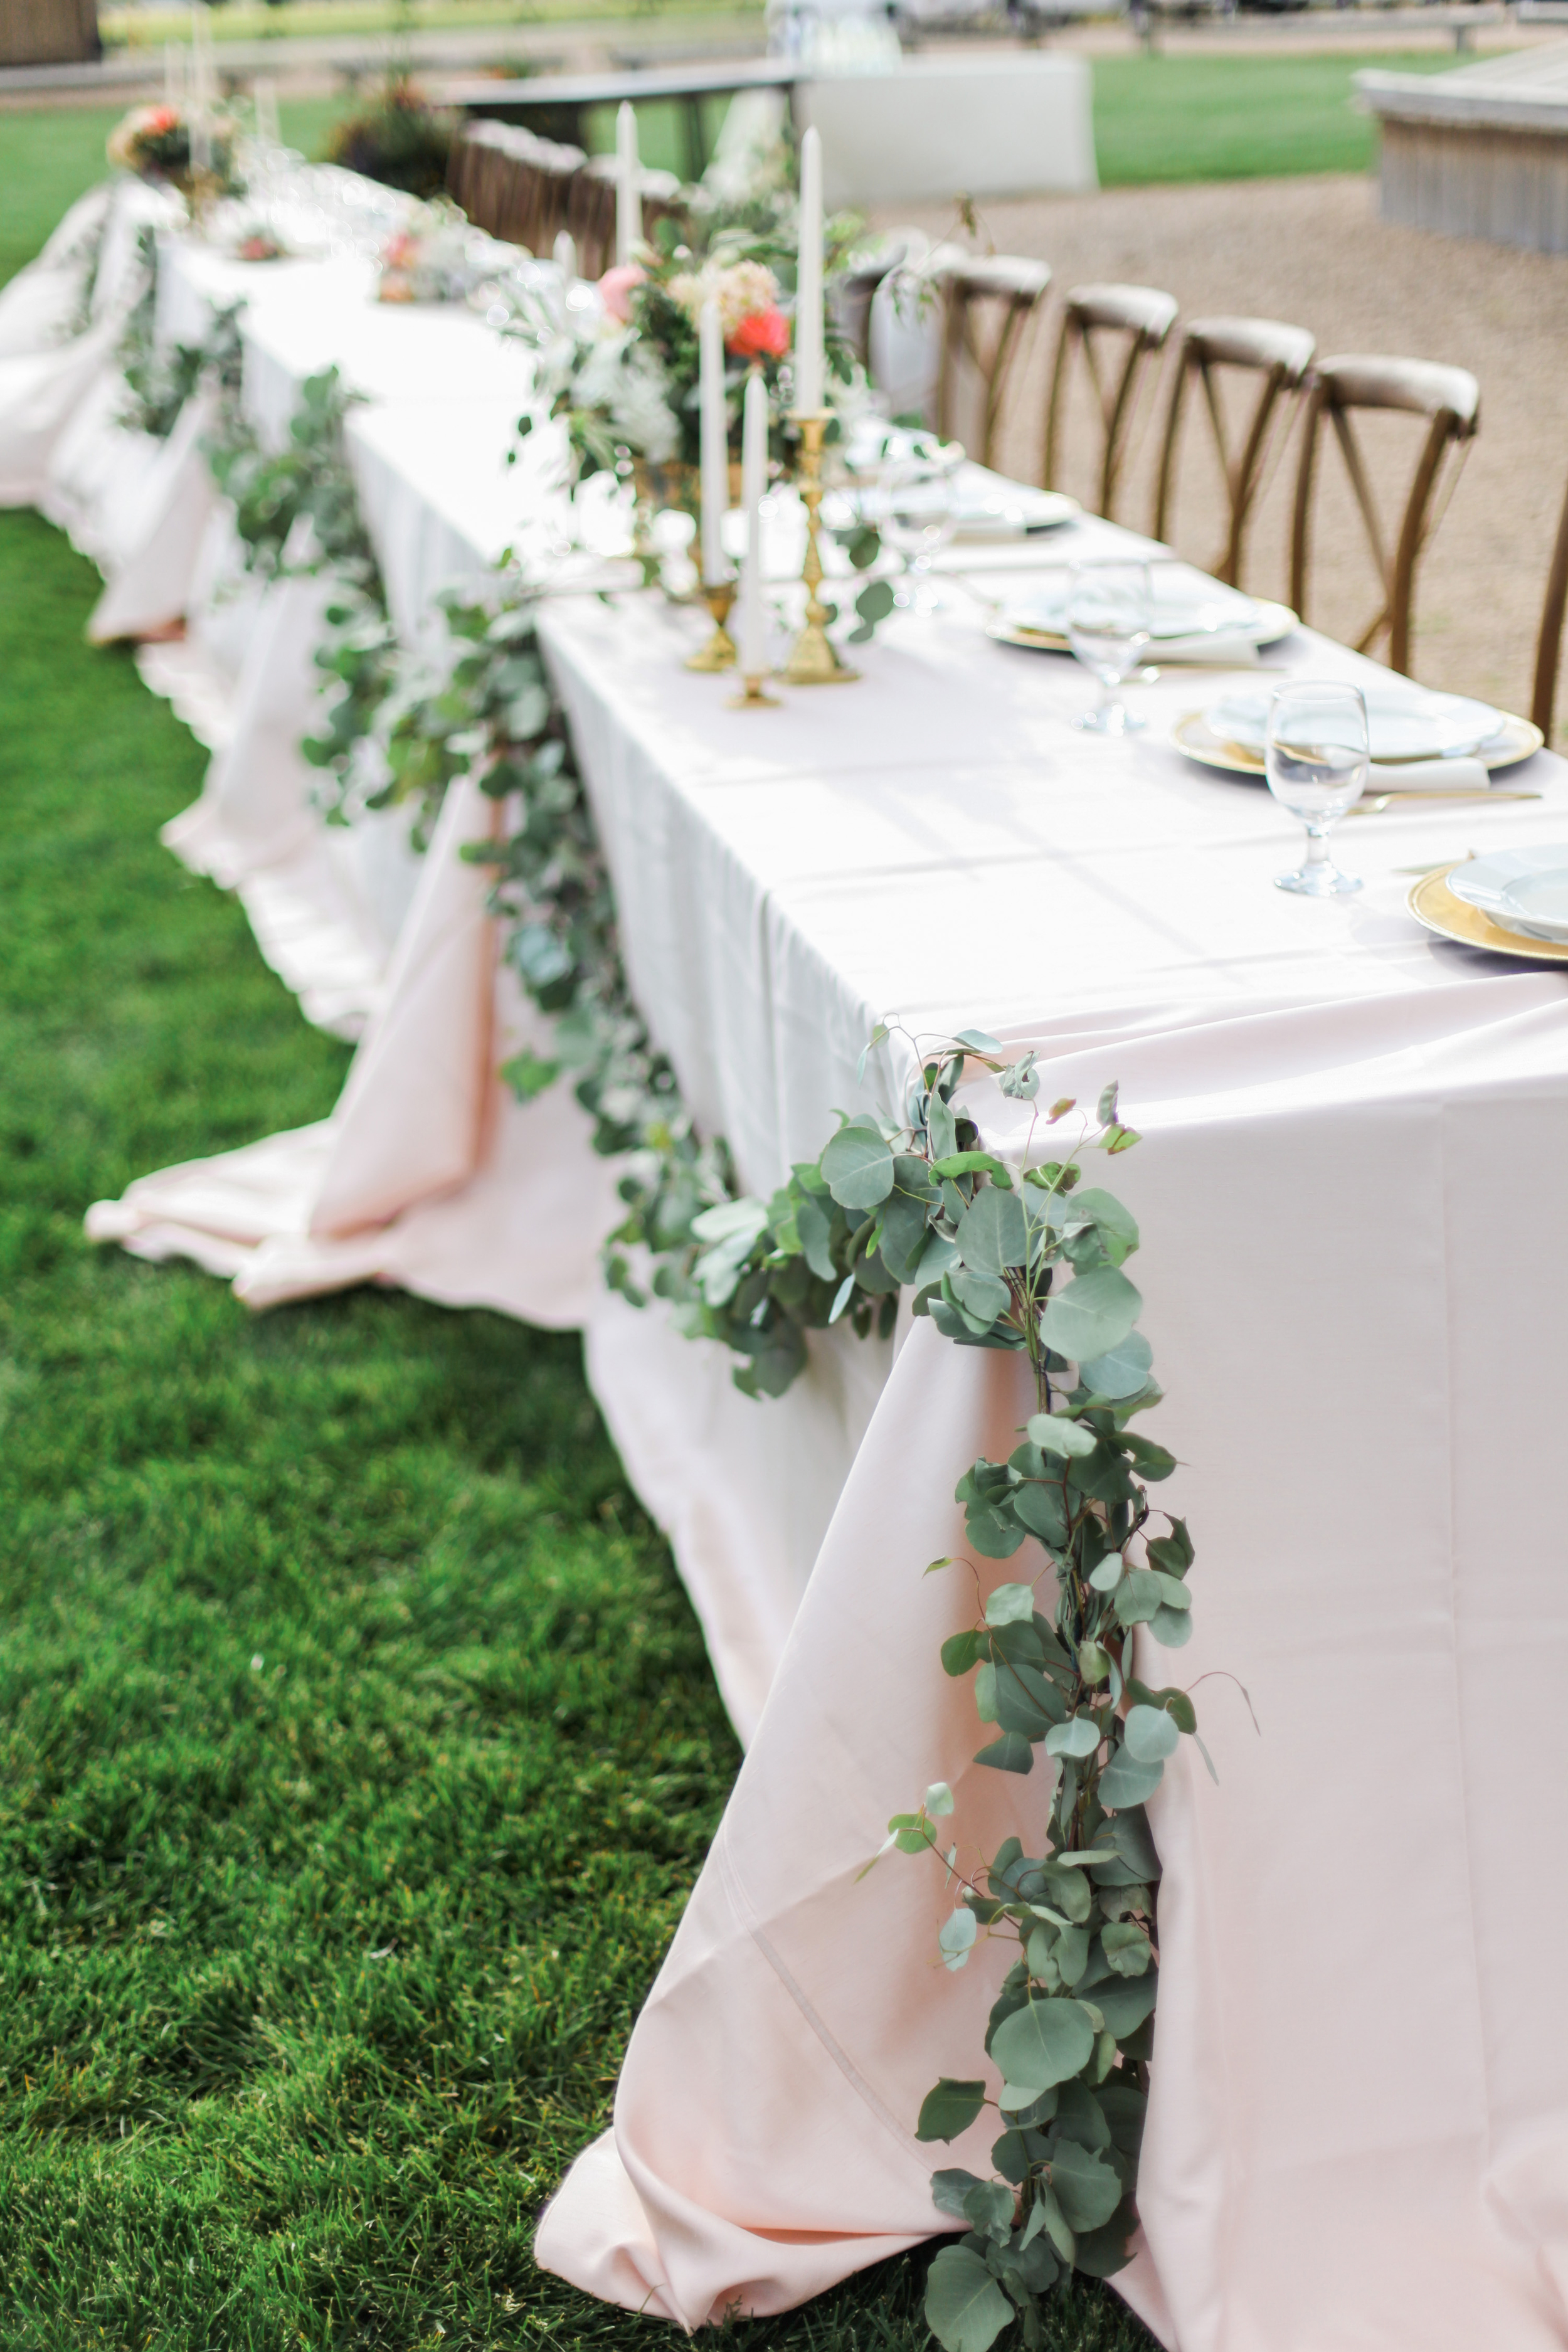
(764, 335)
(616, 290)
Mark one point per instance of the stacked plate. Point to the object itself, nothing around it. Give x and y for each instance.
(1403, 721)
(1524, 891)
(1413, 734)
(1195, 619)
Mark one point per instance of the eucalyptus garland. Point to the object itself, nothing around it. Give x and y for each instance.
(1027, 1259)
(1030, 1259)
(159, 382)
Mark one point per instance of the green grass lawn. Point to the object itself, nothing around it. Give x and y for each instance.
(357, 1745)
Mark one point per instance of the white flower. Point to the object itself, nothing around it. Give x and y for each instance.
(740, 289)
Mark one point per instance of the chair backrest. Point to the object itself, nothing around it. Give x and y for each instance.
(1450, 399)
(512, 182)
(850, 295)
(1549, 643)
(1096, 320)
(988, 303)
(1278, 357)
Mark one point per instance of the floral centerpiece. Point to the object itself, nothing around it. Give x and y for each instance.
(439, 257)
(618, 361)
(155, 142)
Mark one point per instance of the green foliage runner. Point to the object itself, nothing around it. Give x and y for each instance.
(1026, 1259)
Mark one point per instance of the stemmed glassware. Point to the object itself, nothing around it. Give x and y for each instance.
(1109, 624)
(1316, 754)
(917, 513)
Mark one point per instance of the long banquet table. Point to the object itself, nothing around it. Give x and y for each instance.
(1350, 1195)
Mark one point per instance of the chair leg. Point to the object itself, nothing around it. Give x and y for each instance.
(1548, 645)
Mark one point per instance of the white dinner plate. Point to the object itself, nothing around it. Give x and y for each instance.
(1403, 721)
(1523, 890)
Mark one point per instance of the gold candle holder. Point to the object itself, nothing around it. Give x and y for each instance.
(753, 694)
(719, 653)
(813, 658)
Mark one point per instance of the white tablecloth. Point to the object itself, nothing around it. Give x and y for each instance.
(1351, 1202)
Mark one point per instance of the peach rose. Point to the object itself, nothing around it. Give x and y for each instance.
(764, 335)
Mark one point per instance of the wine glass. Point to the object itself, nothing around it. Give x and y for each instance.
(918, 517)
(1316, 754)
(1110, 622)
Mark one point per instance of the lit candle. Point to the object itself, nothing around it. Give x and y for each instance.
(628, 198)
(753, 483)
(808, 371)
(714, 440)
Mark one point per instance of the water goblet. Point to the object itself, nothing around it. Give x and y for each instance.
(917, 518)
(1316, 754)
(1109, 623)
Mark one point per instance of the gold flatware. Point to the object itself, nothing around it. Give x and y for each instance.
(1383, 800)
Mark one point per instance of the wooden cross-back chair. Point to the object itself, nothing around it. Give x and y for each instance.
(1278, 357)
(989, 301)
(1095, 320)
(1450, 399)
(512, 182)
(1549, 643)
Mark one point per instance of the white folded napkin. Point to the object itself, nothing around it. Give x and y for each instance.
(1207, 649)
(1428, 776)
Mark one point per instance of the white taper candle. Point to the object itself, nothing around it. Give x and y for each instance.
(713, 440)
(753, 484)
(628, 196)
(808, 364)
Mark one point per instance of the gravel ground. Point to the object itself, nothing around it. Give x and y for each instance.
(1314, 252)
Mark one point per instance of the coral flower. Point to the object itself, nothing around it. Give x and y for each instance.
(764, 335)
(616, 290)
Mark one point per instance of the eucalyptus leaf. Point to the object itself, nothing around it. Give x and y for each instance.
(1043, 2043)
(1150, 1735)
(1011, 1753)
(990, 1233)
(1053, 1432)
(1121, 1371)
(1125, 2001)
(1173, 1628)
(956, 1937)
(1084, 2185)
(964, 2307)
(859, 1166)
(1126, 1947)
(1079, 1736)
(1117, 1225)
(1009, 1604)
(991, 1532)
(1126, 1781)
(947, 2112)
(952, 2185)
(1092, 1316)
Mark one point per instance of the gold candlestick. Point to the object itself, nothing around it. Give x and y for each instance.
(719, 653)
(813, 658)
(751, 696)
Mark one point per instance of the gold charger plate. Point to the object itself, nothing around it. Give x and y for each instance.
(1519, 739)
(1277, 621)
(1433, 903)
